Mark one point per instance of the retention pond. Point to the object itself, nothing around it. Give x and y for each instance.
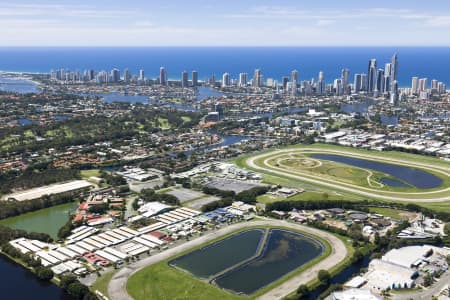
(252, 259)
(411, 176)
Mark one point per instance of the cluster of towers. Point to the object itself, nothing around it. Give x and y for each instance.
(114, 76)
(378, 81)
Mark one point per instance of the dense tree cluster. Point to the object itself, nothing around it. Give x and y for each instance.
(34, 177)
(149, 195)
(13, 208)
(248, 196)
(7, 234)
(113, 180)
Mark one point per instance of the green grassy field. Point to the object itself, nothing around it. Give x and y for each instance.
(101, 284)
(158, 281)
(161, 281)
(89, 173)
(389, 212)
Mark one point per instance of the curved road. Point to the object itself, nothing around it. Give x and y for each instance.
(348, 187)
(117, 286)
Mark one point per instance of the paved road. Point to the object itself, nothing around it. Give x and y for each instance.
(426, 294)
(349, 187)
(117, 285)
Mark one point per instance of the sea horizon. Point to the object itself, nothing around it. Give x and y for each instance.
(430, 62)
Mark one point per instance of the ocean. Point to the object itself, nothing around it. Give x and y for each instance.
(274, 62)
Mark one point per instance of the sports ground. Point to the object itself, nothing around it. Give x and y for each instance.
(299, 164)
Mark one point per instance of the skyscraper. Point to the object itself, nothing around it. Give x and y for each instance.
(194, 78)
(394, 73)
(394, 67)
(357, 83)
(415, 85)
(423, 84)
(320, 88)
(284, 82)
(345, 74)
(225, 79)
(115, 75)
(162, 76)
(141, 75)
(294, 78)
(242, 79)
(126, 75)
(184, 79)
(257, 78)
(363, 82)
(379, 87)
(372, 73)
(338, 88)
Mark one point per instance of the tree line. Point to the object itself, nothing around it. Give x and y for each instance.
(35, 177)
(13, 208)
(228, 197)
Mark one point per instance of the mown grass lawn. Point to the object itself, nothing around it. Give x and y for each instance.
(161, 281)
(101, 284)
(89, 173)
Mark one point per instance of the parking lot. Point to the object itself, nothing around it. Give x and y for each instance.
(185, 195)
(197, 204)
(230, 184)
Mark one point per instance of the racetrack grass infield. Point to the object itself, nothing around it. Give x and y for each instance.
(161, 281)
(241, 162)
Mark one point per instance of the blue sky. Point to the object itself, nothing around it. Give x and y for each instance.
(225, 23)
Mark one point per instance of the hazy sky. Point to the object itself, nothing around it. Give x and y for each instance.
(225, 22)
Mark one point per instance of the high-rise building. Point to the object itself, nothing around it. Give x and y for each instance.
(284, 82)
(357, 83)
(345, 74)
(225, 79)
(115, 75)
(338, 88)
(415, 85)
(141, 75)
(184, 79)
(423, 84)
(194, 78)
(394, 73)
(394, 67)
(434, 84)
(371, 77)
(126, 75)
(242, 79)
(257, 78)
(363, 82)
(441, 88)
(379, 86)
(294, 78)
(162, 76)
(394, 93)
(320, 87)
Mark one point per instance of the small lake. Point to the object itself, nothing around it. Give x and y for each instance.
(47, 220)
(221, 255)
(415, 177)
(283, 252)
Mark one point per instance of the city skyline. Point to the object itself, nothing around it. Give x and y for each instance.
(215, 23)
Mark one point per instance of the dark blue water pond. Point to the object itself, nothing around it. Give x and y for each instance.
(417, 178)
(283, 252)
(221, 255)
(393, 182)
